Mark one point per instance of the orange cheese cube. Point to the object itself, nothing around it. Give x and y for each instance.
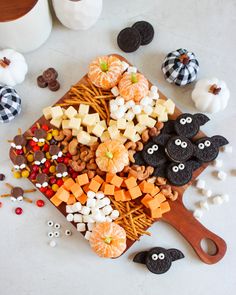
(94, 185)
(127, 196)
(82, 179)
(154, 191)
(86, 188)
(68, 183)
(165, 207)
(62, 194)
(116, 180)
(119, 195)
(109, 189)
(146, 199)
(153, 203)
(98, 179)
(82, 199)
(109, 177)
(160, 197)
(71, 200)
(76, 190)
(135, 192)
(55, 201)
(131, 182)
(146, 187)
(156, 212)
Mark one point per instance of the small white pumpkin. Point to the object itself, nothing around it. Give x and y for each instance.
(13, 67)
(210, 95)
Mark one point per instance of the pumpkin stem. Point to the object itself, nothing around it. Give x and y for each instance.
(214, 89)
(104, 66)
(134, 78)
(184, 59)
(108, 240)
(109, 155)
(4, 62)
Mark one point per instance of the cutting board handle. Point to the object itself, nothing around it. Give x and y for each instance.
(194, 232)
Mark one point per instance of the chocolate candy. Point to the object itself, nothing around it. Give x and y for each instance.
(54, 150)
(41, 82)
(129, 40)
(42, 178)
(145, 30)
(50, 75)
(39, 158)
(17, 192)
(61, 170)
(40, 134)
(19, 140)
(54, 85)
(2, 177)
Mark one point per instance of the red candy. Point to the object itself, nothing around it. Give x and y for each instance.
(74, 175)
(45, 127)
(47, 164)
(40, 203)
(34, 128)
(33, 176)
(35, 168)
(19, 152)
(43, 189)
(49, 193)
(32, 143)
(45, 170)
(60, 182)
(68, 155)
(46, 147)
(36, 148)
(66, 160)
(0, 204)
(18, 211)
(53, 180)
(60, 160)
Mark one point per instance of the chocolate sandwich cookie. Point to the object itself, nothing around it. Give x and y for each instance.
(42, 180)
(55, 152)
(41, 82)
(19, 141)
(206, 149)
(145, 30)
(129, 40)
(17, 193)
(50, 75)
(54, 85)
(20, 162)
(39, 158)
(39, 135)
(154, 154)
(61, 170)
(139, 159)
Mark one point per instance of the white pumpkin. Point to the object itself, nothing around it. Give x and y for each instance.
(210, 95)
(13, 67)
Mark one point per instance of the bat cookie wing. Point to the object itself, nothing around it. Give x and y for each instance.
(175, 254)
(140, 257)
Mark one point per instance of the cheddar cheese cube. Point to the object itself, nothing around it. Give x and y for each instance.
(55, 201)
(135, 192)
(98, 179)
(146, 199)
(82, 179)
(156, 212)
(62, 194)
(116, 180)
(82, 199)
(76, 190)
(94, 185)
(68, 184)
(130, 182)
(165, 207)
(109, 189)
(71, 200)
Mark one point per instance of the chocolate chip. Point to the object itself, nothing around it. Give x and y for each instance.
(54, 150)
(41, 82)
(2, 177)
(54, 85)
(61, 168)
(39, 156)
(50, 75)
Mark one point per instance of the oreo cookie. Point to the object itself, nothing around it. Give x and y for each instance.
(129, 40)
(206, 149)
(154, 154)
(180, 174)
(139, 159)
(160, 170)
(145, 30)
(158, 260)
(188, 125)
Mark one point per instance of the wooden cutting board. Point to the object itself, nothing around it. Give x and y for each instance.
(179, 217)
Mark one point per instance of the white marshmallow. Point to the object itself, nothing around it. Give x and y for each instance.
(107, 210)
(100, 204)
(115, 214)
(108, 219)
(78, 218)
(120, 101)
(132, 70)
(204, 205)
(115, 91)
(85, 210)
(217, 200)
(52, 243)
(118, 115)
(148, 110)
(99, 195)
(69, 209)
(91, 203)
(225, 197)
(106, 201)
(200, 184)
(145, 101)
(218, 163)
(90, 226)
(154, 95)
(88, 218)
(154, 89)
(122, 108)
(129, 116)
(81, 227)
(228, 149)
(113, 108)
(69, 217)
(95, 211)
(91, 194)
(221, 175)
(87, 235)
(207, 192)
(198, 213)
(129, 104)
(125, 65)
(136, 109)
(76, 207)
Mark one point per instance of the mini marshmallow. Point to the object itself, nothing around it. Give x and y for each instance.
(218, 163)
(228, 149)
(132, 70)
(198, 213)
(99, 195)
(78, 218)
(81, 227)
(145, 101)
(125, 65)
(69, 217)
(97, 217)
(148, 110)
(91, 203)
(217, 200)
(115, 214)
(113, 108)
(221, 175)
(207, 192)
(88, 218)
(129, 116)
(100, 204)
(154, 89)
(107, 210)
(87, 235)
(108, 219)
(154, 95)
(106, 201)
(69, 209)
(225, 197)
(52, 243)
(122, 108)
(118, 115)
(115, 91)
(129, 104)
(120, 101)
(136, 109)
(90, 226)
(204, 205)
(200, 184)
(76, 207)
(91, 194)
(85, 210)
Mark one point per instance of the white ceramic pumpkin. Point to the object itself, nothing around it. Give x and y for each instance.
(210, 95)
(13, 67)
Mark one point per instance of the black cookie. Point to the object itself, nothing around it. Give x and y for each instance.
(139, 159)
(168, 127)
(160, 170)
(180, 174)
(206, 149)
(145, 30)
(188, 125)
(129, 40)
(154, 154)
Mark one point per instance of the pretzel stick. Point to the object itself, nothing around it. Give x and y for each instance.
(5, 195)
(27, 200)
(9, 185)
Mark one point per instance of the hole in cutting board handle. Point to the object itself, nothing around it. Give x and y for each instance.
(209, 246)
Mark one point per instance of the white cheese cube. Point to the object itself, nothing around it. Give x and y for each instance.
(98, 130)
(113, 132)
(47, 113)
(93, 139)
(148, 110)
(121, 138)
(161, 101)
(89, 120)
(163, 117)
(115, 91)
(65, 124)
(83, 137)
(103, 124)
(151, 122)
(71, 112)
(81, 227)
(87, 235)
(170, 106)
(130, 132)
(56, 112)
(83, 109)
(56, 122)
(112, 123)
(121, 124)
(90, 128)
(140, 128)
(78, 218)
(159, 109)
(136, 138)
(129, 116)
(75, 123)
(105, 136)
(76, 132)
(142, 119)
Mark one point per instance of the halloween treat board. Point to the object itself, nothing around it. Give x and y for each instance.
(82, 166)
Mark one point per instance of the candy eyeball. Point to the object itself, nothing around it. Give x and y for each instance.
(154, 257)
(181, 166)
(182, 121)
(56, 234)
(161, 256)
(207, 143)
(201, 146)
(150, 151)
(155, 147)
(189, 120)
(175, 169)
(178, 142)
(50, 234)
(50, 223)
(68, 232)
(184, 144)
(57, 225)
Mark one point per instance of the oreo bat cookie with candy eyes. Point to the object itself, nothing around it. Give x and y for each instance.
(153, 154)
(206, 149)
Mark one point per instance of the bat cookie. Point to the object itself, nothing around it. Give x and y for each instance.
(207, 148)
(158, 260)
(154, 154)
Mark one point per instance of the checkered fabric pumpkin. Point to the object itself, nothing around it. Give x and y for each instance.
(180, 67)
(10, 104)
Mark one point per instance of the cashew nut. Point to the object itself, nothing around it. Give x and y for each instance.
(131, 156)
(139, 146)
(91, 166)
(145, 135)
(130, 145)
(73, 147)
(78, 167)
(60, 136)
(68, 134)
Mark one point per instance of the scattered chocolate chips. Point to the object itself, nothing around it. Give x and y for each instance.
(54, 85)
(2, 177)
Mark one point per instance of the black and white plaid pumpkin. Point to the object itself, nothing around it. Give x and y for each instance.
(180, 67)
(10, 104)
